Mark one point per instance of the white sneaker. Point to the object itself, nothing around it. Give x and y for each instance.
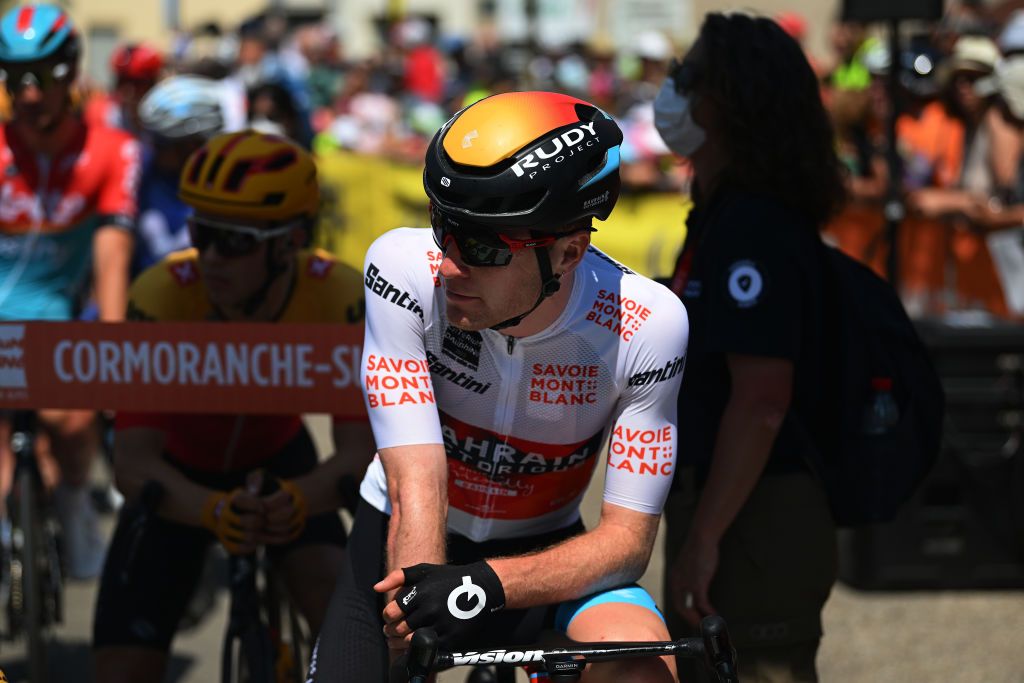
(84, 545)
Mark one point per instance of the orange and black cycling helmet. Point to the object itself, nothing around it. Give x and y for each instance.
(537, 160)
(251, 175)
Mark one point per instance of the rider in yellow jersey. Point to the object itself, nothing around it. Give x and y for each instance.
(255, 199)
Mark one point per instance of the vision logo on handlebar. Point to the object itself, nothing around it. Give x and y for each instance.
(566, 663)
(497, 657)
(470, 590)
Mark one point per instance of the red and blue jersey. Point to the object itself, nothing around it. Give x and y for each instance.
(50, 208)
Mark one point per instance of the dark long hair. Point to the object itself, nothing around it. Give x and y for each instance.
(777, 135)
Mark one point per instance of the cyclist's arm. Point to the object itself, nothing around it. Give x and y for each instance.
(641, 462)
(113, 242)
(418, 491)
(138, 458)
(353, 451)
(614, 553)
(111, 259)
(408, 435)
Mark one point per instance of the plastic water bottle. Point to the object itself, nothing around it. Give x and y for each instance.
(881, 413)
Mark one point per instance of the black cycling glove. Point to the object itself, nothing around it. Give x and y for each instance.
(449, 598)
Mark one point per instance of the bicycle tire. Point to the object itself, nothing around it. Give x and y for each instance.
(35, 623)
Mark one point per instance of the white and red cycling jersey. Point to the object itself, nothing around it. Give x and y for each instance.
(523, 420)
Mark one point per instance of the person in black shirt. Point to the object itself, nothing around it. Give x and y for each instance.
(755, 541)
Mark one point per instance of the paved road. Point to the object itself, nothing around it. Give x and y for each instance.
(963, 637)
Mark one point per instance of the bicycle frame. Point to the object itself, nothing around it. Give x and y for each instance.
(34, 598)
(246, 627)
(564, 664)
(254, 637)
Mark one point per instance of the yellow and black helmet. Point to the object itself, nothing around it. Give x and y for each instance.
(251, 175)
(540, 160)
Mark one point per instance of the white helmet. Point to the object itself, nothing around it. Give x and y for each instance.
(183, 106)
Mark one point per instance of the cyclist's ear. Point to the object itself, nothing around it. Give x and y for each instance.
(569, 251)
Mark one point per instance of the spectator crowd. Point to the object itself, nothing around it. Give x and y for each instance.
(959, 128)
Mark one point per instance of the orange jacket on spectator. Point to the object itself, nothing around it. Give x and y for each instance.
(932, 146)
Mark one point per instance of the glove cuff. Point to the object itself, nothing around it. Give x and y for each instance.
(213, 507)
(490, 583)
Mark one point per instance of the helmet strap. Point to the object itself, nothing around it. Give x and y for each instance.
(549, 284)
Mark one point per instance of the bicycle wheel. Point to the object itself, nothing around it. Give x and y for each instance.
(32, 575)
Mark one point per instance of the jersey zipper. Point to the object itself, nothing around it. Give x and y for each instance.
(510, 368)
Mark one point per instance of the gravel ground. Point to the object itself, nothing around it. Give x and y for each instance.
(967, 637)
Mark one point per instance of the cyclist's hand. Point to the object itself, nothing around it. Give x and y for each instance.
(453, 600)
(234, 517)
(692, 572)
(285, 512)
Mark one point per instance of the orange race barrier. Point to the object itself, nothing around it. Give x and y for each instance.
(182, 367)
(943, 261)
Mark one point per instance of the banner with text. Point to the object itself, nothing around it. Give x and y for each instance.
(182, 367)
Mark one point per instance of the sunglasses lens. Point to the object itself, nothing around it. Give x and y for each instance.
(483, 249)
(40, 76)
(478, 247)
(229, 243)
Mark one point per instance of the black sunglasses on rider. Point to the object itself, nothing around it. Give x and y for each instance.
(231, 240)
(479, 245)
(42, 76)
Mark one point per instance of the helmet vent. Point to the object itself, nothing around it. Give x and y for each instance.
(465, 169)
(588, 113)
(493, 206)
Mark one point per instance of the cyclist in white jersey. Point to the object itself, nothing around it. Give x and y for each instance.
(502, 352)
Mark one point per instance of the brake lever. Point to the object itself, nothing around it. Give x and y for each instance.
(422, 652)
(721, 655)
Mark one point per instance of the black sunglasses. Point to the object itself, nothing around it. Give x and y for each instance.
(230, 240)
(41, 76)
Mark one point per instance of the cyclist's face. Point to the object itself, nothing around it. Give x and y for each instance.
(39, 92)
(230, 277)
(479, 298)
(170, 156)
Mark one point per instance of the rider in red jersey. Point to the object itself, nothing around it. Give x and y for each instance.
(67, 205)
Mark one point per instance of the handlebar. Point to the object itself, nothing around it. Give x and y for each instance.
(713, 646)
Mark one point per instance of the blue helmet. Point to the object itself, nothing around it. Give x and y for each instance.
(29, 33)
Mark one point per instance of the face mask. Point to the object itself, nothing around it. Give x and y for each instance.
(674, 121)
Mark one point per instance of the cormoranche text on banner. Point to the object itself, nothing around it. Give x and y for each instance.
(259, 368)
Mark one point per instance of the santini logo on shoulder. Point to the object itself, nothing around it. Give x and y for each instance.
(497, 657)
(565, 145)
